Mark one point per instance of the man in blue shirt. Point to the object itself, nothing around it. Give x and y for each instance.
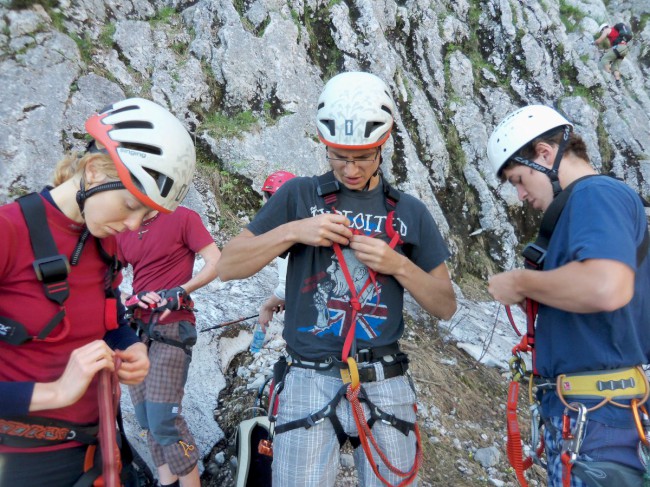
(592, 292)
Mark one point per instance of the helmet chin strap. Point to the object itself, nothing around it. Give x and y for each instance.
(377, 172)
(554, 171)
(83, 195)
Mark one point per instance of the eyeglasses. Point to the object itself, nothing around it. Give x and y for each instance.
(359, 161)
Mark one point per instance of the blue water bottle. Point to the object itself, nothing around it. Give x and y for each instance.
(258, 338)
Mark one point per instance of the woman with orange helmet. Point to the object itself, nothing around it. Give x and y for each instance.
(59, 320)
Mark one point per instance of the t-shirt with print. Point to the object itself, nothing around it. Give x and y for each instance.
(318, 311)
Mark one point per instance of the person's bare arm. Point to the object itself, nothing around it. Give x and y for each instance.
(591, 286)
(247, 253)
(208, 273)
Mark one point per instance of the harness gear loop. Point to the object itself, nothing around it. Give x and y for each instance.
(608, 397)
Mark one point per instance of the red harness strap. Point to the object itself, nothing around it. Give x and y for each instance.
(366, 437)
(395, 239)
(526, 345)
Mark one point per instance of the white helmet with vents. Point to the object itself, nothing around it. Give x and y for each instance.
(519, 128)
(355, 111)
(152, 151)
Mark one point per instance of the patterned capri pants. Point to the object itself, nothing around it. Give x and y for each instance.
(157, 400)
(310, 457)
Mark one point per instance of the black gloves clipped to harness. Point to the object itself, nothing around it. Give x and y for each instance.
(176, 298)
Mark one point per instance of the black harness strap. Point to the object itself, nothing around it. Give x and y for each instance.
(329, 187)
(51, 268)
(535, 253)
(141, 327)
(329, 411)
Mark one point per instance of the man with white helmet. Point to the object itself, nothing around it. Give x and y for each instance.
(591, 285)
(342, 339)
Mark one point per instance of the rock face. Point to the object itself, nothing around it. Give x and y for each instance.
(244, 76)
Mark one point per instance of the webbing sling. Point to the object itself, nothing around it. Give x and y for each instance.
(51, 268)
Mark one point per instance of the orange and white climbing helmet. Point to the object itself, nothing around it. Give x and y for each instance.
(152, 151)
(355, 111)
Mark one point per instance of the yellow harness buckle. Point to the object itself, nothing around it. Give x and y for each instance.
(351, 374)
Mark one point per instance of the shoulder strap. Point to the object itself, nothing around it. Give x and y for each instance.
(329, 187)
(534, 253)
(51, 267)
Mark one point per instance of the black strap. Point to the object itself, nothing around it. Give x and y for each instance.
(329, 411)
(51, 267)
(328, 187)
(535, 253)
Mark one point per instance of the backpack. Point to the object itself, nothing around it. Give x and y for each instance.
(624, 33)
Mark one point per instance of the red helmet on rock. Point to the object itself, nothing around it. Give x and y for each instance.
(275, 180)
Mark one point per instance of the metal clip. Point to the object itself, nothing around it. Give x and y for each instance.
(517, 367)
(572, 437)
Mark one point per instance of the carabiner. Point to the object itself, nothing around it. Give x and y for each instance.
(572, 437)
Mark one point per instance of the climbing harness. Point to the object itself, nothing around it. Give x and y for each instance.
(609, 386)
(147, 328)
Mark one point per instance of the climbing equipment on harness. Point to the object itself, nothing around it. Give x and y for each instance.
(610, 386)
(572, 439)
(177, 299)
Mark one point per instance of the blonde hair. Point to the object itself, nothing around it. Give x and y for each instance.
(73, 164)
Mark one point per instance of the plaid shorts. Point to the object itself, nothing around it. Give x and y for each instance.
(310, 457)
(157, 402)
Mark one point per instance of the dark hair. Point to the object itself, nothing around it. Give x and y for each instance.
(575, 144)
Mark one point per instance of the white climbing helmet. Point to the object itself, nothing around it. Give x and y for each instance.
(152, 151)
(519, 128)
(602, 26)
(355, 111)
